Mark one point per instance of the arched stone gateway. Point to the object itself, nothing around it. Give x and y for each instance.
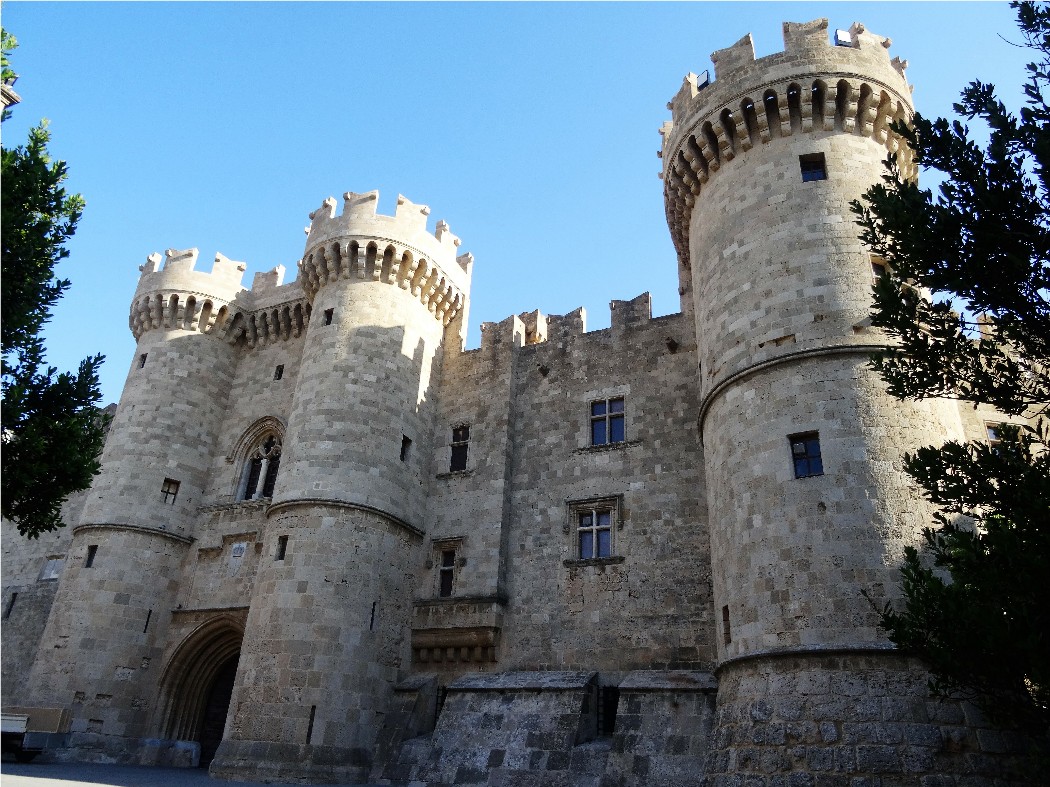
(197, 685)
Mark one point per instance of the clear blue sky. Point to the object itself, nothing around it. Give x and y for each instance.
(530, 128)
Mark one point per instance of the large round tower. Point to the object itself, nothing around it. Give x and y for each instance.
(327, 630)
(108, 622)
(808, 503)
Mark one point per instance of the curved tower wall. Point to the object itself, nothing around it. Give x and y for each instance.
(781, 292)
(329, 621)
(122, 571)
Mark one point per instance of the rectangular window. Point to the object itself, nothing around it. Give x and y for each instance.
(52, 568)
(282, 548)
(813, 167)
(406, 444)
(89, 560)
(446, 572)
(460, 441)
(328, 314)
(278, 371)
(805, 454)
(169, 489)
(878, 269)
(607, 425)
(142, 360)
(608, 701)
(594, 533)
(727, 635)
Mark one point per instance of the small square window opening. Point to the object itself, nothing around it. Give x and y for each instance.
(813, 167)
(446, 572)
(805, 454)
(328, 314)
(607, 421)
(278, 371)
(169, 490)
(594, 533)
(52, 568)
(460, 443)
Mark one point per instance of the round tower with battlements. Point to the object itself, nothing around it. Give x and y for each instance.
(809, 506)
(329, 621)
(122, 567)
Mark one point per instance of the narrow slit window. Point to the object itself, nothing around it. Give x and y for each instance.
(142, 360)
(608, 702)
(328, 314)
(169, 490)
(460, 443)
(10, 605)
(278, 371)
(727, 634)
(813, 167)
(146, 624)
(89, 560)
(805, 455)
(406, 444)
(282, 548)
(607, 421)
(446, 572)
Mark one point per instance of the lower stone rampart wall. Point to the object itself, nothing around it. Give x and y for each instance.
(848, 720)
(663, 729)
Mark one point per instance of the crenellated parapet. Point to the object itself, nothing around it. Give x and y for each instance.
(172, 295)
(850, 87)
(397, 250)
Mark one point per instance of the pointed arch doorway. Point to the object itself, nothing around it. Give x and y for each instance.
(197, 685)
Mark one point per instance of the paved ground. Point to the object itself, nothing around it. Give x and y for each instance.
(87, 775)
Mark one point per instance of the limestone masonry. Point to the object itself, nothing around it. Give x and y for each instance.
(329, 544)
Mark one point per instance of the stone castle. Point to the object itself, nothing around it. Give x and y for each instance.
(329, 544)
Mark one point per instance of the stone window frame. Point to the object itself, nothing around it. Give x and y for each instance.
(575, 509)
(440, 546)
(52, 568)
(813, 167)
(801, 449)
(608, 393)
(463, 443)
(245, 452)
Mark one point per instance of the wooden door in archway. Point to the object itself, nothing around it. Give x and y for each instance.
(216, 709)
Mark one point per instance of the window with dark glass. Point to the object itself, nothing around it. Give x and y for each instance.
(594, 533)
(813, 167)
(607, 425)
(169, 490)
(805, 454)
(260, 471)
(446, 572)
(460, 442)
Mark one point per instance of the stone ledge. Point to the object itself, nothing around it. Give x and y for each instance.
(594, 561)
(554, 680)
(669, 680)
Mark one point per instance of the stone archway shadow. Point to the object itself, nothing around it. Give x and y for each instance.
(196, 678)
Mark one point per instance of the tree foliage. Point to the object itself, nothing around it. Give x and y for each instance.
(967, 296)
(52, 429)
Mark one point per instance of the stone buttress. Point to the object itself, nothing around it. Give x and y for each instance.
(808, 502)
(327, 632)
(101, 648)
